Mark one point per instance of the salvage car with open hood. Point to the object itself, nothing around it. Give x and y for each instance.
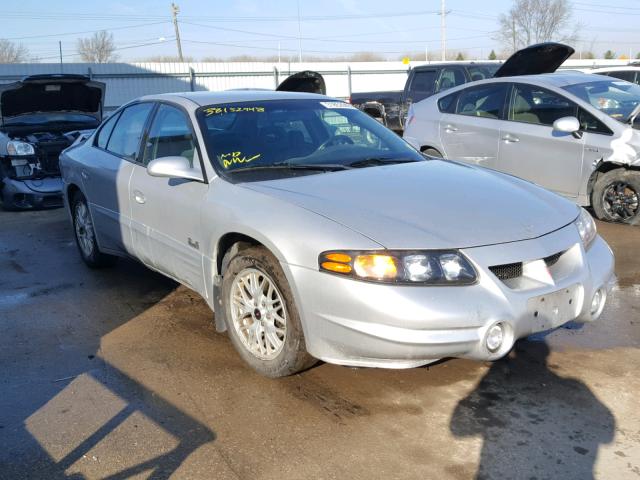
(40, 116)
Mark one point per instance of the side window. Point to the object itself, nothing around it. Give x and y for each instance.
(485, 101)
(450, 77)
(531, 104)
(125, 138)
(629, 76)
(422, 84)
(170, 135)
(448, 104)
(105, 132)
(589, 123)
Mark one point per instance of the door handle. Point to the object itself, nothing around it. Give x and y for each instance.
(450, 129)
(510, 139)
(85, 175)
(139, 197)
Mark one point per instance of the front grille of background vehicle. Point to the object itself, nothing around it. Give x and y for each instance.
(507, 271)
(514, 270)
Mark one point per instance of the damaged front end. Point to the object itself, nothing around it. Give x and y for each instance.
(40, 117)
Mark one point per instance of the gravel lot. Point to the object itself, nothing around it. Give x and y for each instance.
(119, 373)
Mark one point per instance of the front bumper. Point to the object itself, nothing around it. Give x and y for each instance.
(356, 323)
(31, 194)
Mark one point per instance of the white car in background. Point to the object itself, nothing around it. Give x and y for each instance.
(572, 133)
(629, 73)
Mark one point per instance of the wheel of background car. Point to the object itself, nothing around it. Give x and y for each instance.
(85, 235)
(432, 152)
(616, 196)
(337, 140)
(261, 316)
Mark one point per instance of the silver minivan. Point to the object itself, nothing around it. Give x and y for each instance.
(575, 134)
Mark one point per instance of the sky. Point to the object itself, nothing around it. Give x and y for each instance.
(224, 28)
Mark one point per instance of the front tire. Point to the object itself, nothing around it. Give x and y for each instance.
(616, 196)
(261, 315)
(85, 235)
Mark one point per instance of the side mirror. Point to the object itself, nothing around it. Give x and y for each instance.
(567, 125)
(173, 167)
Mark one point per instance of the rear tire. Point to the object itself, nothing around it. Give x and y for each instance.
(432, 152)
(616, 196)
(261, 315)
(85, 235)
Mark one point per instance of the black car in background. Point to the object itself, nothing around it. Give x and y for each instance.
(391, 107)
(40, 116)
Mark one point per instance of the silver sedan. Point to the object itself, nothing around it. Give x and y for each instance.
(313, 232)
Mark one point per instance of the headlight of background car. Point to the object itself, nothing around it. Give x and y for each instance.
(441, 267)
(20, 148)
(586, 228)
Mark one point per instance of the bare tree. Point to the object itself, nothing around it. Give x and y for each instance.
(98, 48)
(12, 52)
(535, 21)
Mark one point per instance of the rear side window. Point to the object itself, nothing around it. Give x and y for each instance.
(126, 136)
(485, 101)
(448, 104)
(423, 81)
(451, 77)
(105, 131)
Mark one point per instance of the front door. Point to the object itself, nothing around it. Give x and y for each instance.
(530, 148)
(165, 212)
(472, 133)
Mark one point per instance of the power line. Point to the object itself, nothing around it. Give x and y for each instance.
(50, 35)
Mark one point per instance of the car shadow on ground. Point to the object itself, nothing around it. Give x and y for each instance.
(533, 422)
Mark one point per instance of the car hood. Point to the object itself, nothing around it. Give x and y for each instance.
(535, 59)
(52, 93)
(431, 204)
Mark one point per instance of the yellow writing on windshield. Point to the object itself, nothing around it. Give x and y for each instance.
(233, 158)
(222, 110)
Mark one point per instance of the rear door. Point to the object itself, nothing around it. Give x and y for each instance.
(106, 176)
(471, 132)
(529, 146)
(165, 212)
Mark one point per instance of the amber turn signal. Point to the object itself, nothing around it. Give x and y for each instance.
(336, 267)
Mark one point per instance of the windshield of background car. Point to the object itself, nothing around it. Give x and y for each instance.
(616, 98)
(44, 118)
(299, 132)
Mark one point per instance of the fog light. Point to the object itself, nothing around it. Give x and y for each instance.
(596, 303)
(495, 336)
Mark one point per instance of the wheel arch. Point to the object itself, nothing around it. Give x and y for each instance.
(602, 168)
(71, 190)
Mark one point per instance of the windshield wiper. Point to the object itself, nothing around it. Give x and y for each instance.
(375, 161)
(321, 167)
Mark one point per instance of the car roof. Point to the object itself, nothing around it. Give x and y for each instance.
(616, 69)
(231, 96)
(456, 64)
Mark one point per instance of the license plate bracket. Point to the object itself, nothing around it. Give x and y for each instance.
(554, 309)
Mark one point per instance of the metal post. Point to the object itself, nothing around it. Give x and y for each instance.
(192, 79)
(299, 34)
(174, 11)
(275, 77)
(349, 79)
(90, 73)
(60, 48)
(443, 30)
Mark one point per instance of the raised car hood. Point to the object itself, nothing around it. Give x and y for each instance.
(52, 93)
(535, 59)
(432, 204)
(307, 81)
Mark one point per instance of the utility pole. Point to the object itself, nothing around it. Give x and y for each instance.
(175, 10)
(60, 49)
(513, 33)
(299, 34)
(443, 30)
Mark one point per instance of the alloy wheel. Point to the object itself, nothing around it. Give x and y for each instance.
(621, 201)
(84, 229)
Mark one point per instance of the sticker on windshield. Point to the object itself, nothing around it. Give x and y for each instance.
(235, 158)
(222, 110)
(336, 105)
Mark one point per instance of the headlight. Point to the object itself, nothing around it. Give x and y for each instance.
(586, 228)
(441, 267)
(20, 148)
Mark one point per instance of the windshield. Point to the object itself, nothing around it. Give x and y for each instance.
(297, 133)
(616, 98)
(55, 117)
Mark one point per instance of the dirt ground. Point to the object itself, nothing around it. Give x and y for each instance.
(119, 373)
